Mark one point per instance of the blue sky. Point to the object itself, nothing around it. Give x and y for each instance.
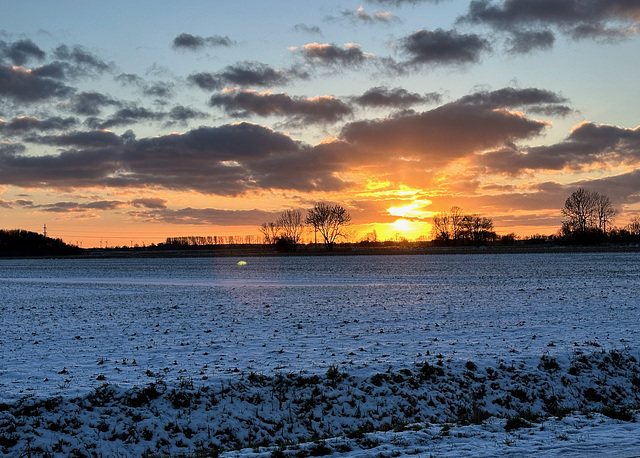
(138, 121)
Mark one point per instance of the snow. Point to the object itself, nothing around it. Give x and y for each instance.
(346, 355)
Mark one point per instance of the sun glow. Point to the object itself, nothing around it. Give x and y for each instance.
(401, 225)
(413, 210)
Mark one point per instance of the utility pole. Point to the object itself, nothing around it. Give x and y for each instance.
(45, 230)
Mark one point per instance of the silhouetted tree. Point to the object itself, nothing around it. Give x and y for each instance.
(476, 229)
(634, 226)
(588, 214)
(329, 221)
(270, 232)
(579, 208)
(457, 227)
(291, 226)
(441, 227)
(455, 221)
(604, 211)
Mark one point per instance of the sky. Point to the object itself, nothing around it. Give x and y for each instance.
(131, 122)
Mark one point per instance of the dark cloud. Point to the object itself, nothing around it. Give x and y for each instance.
(86, 139)
(149, 202)
(208, 216)
(22, 85)
(195, 42)
(83, 61)
(55, 70)
(76, 207)
(91, 103)
(576, 18)
(527, 41)
(182, 114)
(131, 114)
(439, 136)
(443, 47)
(104, 204)
(255, 74)
(159, 89)
(21, 52)
(535, 100)
(246, 74)
(311, 29)
(25, 124)
(351, 55)
(307, 170)
(551, 110)
(206, 81)
(11, 149)
(65, 70)
(300, 110)
(382, 96)
(67, 170)
(587, 145)
(226, 160)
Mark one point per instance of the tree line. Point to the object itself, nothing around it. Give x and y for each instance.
(18, 242)
(456, 227)
(206, 240)
(327, 221)
(588, 220)
(587, 211)
(589, 217)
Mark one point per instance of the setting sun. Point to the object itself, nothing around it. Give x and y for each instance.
(402, 225)
(405, 229)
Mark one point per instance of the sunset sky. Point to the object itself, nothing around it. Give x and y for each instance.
(128, 122)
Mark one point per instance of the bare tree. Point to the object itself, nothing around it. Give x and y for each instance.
(587, 210)
(455, 225)
(477, 229)
(270, 232)
(634, 226)
(455, 220)
(291, 226)
(604, 211)
(330, 221)
(441, 227)
(579, 209)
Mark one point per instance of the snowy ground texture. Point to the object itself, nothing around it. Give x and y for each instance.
(465, 355)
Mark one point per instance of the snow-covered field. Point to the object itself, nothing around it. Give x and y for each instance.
(425, 355)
